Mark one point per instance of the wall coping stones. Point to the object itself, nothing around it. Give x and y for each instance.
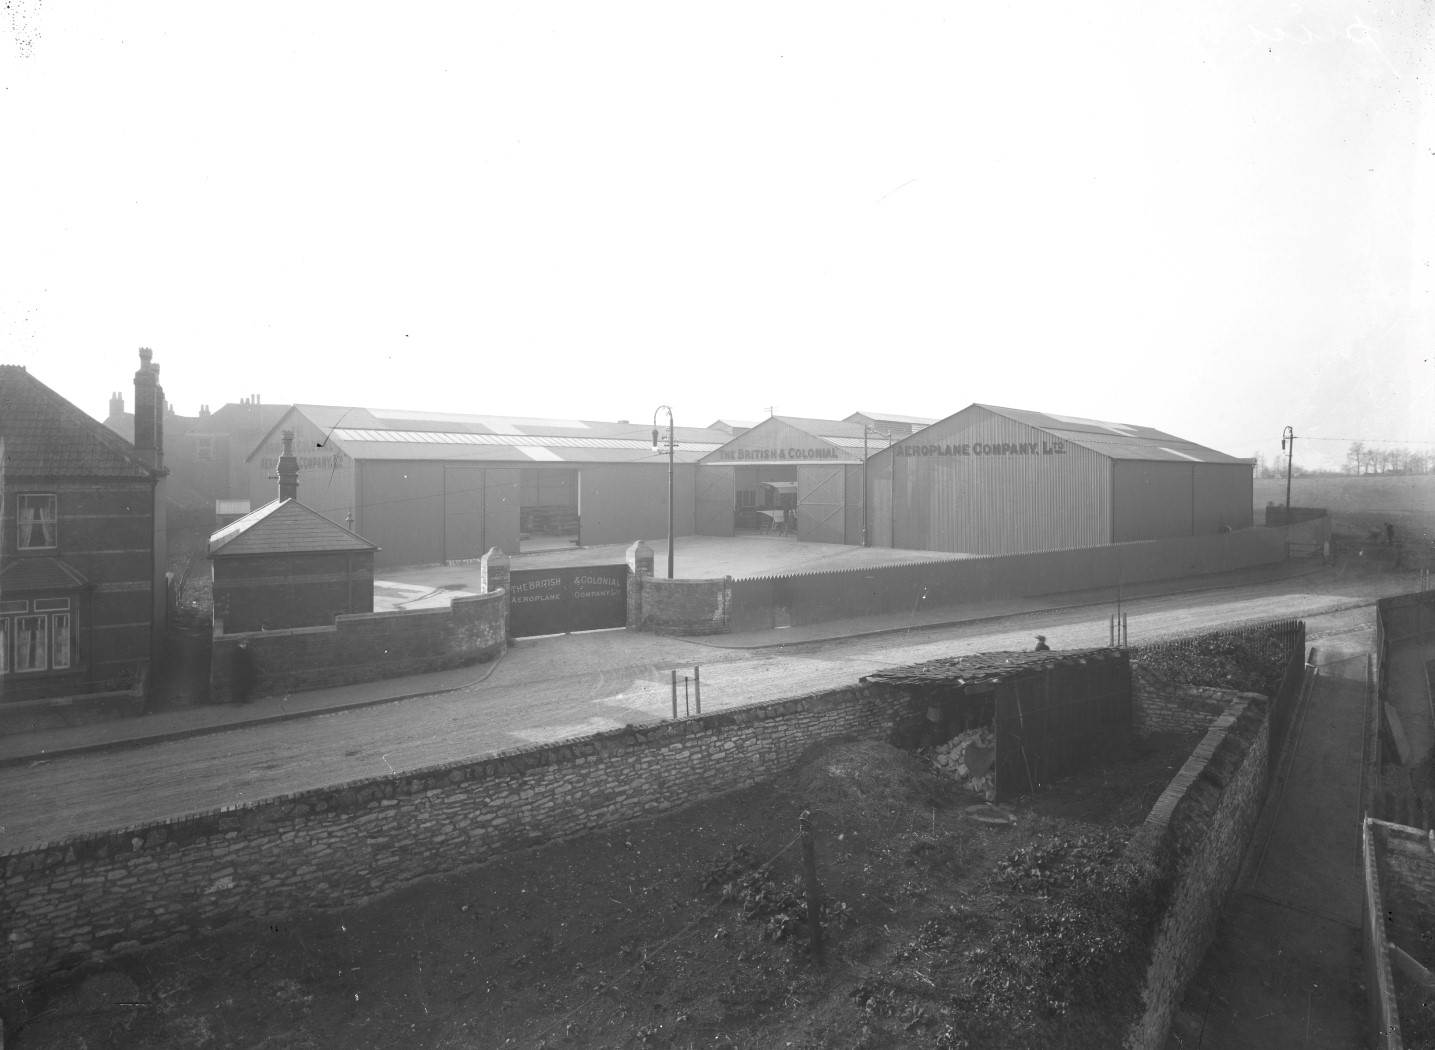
(517, 760)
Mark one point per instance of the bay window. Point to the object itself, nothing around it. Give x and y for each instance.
(35, 636)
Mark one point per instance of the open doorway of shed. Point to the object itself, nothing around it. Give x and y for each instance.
(547, 509)
(766, 500)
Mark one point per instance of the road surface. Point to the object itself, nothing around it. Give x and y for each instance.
(549, 689)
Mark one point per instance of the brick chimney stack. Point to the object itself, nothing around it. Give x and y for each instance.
(117, 404)
(149, 411)
(288, 469)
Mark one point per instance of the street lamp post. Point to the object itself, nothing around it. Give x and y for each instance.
(865, 430)
(1289, 450)
(671, 446)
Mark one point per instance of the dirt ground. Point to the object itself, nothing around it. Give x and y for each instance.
(686, 930)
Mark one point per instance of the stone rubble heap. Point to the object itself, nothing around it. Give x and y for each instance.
(968, 758)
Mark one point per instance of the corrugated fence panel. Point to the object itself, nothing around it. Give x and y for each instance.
(762, 603)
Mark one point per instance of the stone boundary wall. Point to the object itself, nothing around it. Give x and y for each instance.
(88, 898)
(1201, 825)
(681, 607)
(1158, 706)
(362, 647)
(1383, 910)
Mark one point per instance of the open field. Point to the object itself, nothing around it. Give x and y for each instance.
(1359, 504)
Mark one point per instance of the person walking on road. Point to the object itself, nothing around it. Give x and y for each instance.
(1041, 646)
(243, 673)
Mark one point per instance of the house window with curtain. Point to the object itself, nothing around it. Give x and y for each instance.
(35, 518)
(35, 636)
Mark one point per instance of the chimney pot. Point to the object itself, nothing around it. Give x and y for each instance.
(149, 401)
(288, 468)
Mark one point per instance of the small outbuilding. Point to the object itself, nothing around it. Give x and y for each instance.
(285, 565)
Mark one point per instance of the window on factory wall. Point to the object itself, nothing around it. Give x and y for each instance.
(204, 448)
(35, 516)
(35, 635)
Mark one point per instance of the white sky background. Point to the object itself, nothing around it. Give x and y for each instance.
(1217, 218)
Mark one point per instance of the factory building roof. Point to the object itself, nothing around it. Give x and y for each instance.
(402, 434)
(1115, 440)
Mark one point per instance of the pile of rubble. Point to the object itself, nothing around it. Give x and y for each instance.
(970, 759)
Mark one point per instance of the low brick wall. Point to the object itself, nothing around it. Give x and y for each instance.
(685, 607)
(1158, 706)
(1200, 827)
(362, 647)
(88, 898)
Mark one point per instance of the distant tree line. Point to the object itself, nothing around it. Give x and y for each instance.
(1369, 459)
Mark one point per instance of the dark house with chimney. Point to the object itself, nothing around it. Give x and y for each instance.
(285, 565)
(82, 545)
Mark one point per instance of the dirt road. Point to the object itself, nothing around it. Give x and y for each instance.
(547, 690)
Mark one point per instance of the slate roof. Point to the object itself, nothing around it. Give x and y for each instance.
(284, 527)
(45, 573)
(387, 433)
(984, 667)
(45, 436)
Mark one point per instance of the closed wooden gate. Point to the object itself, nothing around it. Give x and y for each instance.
(821, 514)
(716, 500)
(558, 601)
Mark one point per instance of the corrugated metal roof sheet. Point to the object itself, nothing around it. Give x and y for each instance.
(379, 433)
(825, 428)
(47, 437)
(517, 450)
(895, 417)
(1117, 440)
(346, 434)
(284, 527)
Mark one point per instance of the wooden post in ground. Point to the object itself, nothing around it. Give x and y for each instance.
(697, 690)
(674, 673)
(814, 891)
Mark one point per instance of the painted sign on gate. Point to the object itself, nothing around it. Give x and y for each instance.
(558, 601)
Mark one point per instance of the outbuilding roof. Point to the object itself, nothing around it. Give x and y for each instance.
(45, 436)
(984, 668)
(1116, 440)
(378, 433)
(284, 527)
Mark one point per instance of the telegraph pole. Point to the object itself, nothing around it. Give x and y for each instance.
(1288, 447)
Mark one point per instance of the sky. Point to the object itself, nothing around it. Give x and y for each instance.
(1211, 217)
